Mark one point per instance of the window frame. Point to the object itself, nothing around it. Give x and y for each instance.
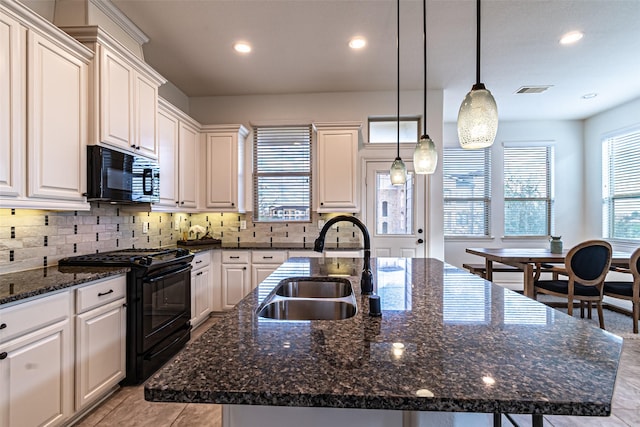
(548, 199)
(485, 198)
(394, 120)
(630, 136)
(306, 129)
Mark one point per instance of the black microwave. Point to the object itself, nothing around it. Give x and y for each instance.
(118, 177)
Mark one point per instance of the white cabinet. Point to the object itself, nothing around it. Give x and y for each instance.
(337, 165)
(36, 362)
(100, 339)
(201, 288)
(225, 167)
(124, 95)
(263, 263)
(43, 117)
(236, 279)
(178, 139)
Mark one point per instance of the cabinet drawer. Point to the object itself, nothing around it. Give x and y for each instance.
(201, 260)
(29, 316)
(235, 257)
(268, 257)
(99, 293)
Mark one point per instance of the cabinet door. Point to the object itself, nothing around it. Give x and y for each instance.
(188, 170)
(261, 272)
(235, 284)
(201, 296)
(57, 121)
(12, 116)
(337, 165)
(222, 171)
(168, 159)
(100, 351)
(36, 378)
(146, 107)
(116, 96)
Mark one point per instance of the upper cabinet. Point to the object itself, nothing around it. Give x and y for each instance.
(179, 145)
(337, 165)
(43, 117)
(124, 95)
(225, 167)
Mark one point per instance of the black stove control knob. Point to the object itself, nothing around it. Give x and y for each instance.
(147, 260)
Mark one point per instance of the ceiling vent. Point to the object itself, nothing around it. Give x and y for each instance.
(533, 89)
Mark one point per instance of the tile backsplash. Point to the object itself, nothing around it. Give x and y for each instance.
(34, 238)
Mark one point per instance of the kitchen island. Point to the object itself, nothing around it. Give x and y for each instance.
(448, 349)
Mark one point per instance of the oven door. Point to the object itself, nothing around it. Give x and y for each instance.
(166, 304)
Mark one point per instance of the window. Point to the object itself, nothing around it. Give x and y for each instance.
(282, 173)
(385, 130)
(394, 205)
(467, 192)
(621, 185)
(527, 190)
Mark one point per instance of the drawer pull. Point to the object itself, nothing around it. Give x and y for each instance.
(3, 326)
(3, 355)
(267, 257)
(199, 262)
(234, 257)
(199, 273)
(101, 294)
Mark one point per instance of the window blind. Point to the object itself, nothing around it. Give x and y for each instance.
(527, 190)
(467, 192)
(621, 185)
(282, 173)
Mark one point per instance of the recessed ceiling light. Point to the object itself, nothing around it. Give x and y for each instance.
(571, 37)
(589, 95)
(357, 43)
(242, 47)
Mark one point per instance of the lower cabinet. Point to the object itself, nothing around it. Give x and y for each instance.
(36, 363)
(201, 288)
(100, 339)
(263, 263)
(236, 279)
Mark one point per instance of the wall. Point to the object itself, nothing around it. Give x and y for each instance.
(33, 238)
(595, 128)
(569, 188)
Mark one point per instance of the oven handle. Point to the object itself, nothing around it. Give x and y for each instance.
(168, 273)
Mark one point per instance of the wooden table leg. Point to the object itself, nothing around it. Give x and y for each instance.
(489, 270)
(528, 280)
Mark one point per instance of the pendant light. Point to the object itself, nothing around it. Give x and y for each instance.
(478, 115)
(398, 170)
(425, 156)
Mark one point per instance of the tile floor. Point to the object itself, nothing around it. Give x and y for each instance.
(127, 406)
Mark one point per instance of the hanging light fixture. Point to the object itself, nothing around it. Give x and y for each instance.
(478, 115)
(398, 170)
(425, 156)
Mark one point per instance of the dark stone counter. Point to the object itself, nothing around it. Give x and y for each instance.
(293, 246)
(447, 341)
(31, 283)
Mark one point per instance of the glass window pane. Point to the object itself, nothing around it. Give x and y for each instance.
(385, 131)
(394, 205)
(525, 218)
(465, 218)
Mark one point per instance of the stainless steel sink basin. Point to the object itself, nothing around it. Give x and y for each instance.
(310, 298)
(308, 309)
(314, 287)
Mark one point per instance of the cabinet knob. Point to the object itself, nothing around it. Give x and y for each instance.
(244, 268)
(3, 326)
(321, 203)
(133, 145)
(177, 202)
(3, 355)
(233, 204)
(182, 202)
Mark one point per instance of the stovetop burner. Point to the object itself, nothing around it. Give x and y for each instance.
(145, 257)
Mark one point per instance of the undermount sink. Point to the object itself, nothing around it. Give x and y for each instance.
(310, 298)
(314, 287)
(308, 309)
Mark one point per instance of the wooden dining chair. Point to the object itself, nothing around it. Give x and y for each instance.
(587, 265)
(628, 290)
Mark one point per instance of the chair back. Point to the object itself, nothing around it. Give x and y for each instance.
(634, 264)
(589, 261)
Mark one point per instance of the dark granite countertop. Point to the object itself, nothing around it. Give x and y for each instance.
(293, 246)
(31, 283)
(447, 341)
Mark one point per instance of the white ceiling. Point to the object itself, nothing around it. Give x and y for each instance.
(300, 46)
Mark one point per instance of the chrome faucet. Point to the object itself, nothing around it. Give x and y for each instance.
(366, 280)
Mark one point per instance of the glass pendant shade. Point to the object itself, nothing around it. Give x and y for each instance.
(477, 119)
(425, 156)
(398, 172)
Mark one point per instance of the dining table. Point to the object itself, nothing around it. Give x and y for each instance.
(532, 261)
